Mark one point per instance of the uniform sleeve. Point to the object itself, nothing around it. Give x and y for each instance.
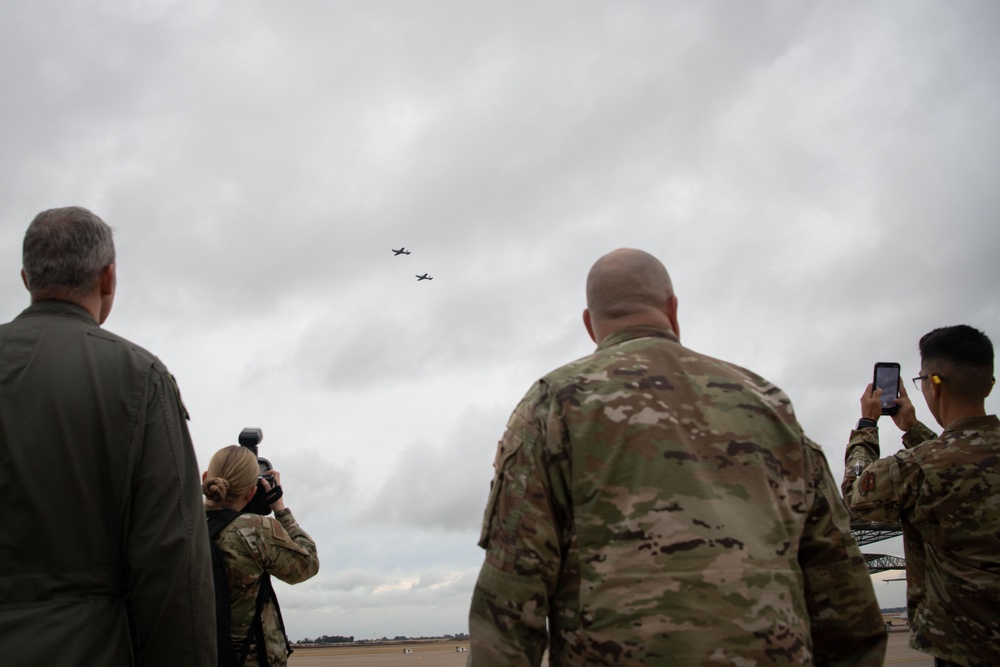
(290, 553)
(880, 489)
(846, 623)
(918, 434)
(862, 450)
(171, 593)
(521, 536)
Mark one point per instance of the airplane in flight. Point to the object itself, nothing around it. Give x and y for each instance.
(401, 251)
(424, 277)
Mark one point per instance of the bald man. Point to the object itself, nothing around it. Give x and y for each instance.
(652, 506)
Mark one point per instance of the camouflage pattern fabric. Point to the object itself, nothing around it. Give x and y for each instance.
(253, 544)
(945, 491)
(655, 506)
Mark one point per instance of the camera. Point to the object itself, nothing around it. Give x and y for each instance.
(260, 503)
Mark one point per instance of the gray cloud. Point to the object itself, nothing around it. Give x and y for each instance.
(820, 181)
(440, 487)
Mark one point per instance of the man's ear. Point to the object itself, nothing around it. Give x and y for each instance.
(672, 314)
(935, 387)
(590, 325)
(24, 279)
(109, 280)
(108, 283)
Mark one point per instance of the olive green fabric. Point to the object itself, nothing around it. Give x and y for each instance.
(104, 523)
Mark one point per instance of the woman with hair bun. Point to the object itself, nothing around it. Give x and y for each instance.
(253, 547)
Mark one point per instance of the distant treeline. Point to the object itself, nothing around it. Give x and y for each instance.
(340, 639)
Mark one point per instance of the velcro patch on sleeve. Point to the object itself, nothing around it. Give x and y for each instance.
(867, 482)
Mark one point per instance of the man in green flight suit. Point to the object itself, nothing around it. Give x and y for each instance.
(104, 549)
(655, 506)
(945, 492)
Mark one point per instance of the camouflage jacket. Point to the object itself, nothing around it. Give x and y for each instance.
(652, 505)
(945, 492)
(254, 544)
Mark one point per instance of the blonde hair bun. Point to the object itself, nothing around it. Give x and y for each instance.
(232, 473)
(216, 489)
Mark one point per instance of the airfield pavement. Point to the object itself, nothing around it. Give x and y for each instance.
(443, 654)
(389, 654)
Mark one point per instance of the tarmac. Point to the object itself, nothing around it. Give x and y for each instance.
(445, 655)
(899, 653)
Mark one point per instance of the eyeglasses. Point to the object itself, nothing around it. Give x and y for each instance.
(934, 378)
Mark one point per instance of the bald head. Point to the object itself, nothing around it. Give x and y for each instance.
(628, 287)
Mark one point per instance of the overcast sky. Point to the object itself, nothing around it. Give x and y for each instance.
(821, 180)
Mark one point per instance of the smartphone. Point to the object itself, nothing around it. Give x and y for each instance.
(887, 379)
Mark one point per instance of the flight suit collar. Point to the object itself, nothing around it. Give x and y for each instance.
(56, 307)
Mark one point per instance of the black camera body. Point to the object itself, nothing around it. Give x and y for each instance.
(250, 438)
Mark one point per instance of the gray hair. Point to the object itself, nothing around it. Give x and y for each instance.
(65, 250)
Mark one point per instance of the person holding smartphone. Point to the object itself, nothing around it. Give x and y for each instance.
(945, 492)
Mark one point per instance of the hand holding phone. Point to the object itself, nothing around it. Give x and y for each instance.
(906, 417)
(887, 379)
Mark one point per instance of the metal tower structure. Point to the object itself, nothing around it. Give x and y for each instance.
(883, 562)
(868, 532)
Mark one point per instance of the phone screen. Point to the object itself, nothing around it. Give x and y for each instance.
(887, 379)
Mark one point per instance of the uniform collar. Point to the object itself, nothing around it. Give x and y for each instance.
(969, 423)
(57, 307)
(631, 333)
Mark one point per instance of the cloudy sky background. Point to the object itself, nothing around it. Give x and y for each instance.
(819, 178)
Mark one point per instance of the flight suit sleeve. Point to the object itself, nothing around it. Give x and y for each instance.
(290, 554)
(846, 622)
(510, 602)
(881, 489)
(171, 595)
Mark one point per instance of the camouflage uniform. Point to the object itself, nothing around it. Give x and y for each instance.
(655, 506)
(253, 544)
(945, 491)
